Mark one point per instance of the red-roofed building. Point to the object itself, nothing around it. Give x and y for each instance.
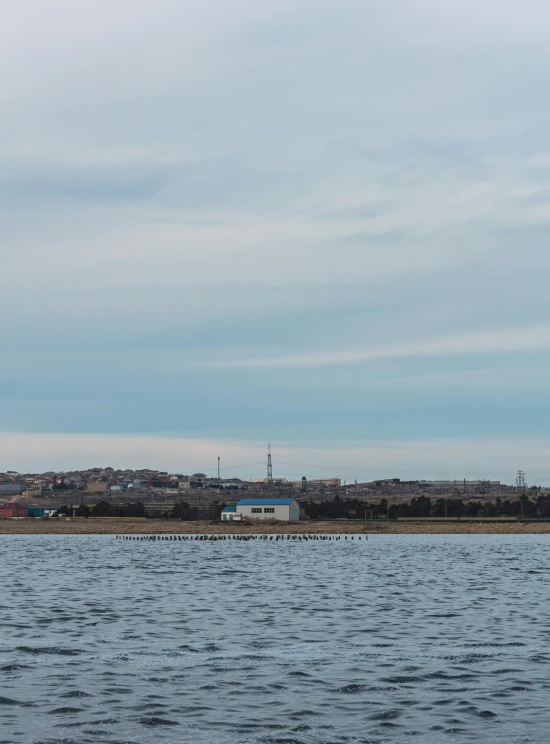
(9, 511)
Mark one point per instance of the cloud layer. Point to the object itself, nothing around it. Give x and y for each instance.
(296, 222)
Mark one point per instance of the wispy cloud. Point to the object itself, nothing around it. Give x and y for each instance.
(499, 341)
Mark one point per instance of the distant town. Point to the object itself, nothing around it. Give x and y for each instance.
(107, 491)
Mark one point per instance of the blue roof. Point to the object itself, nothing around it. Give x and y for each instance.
(229, 509)
(265, 502)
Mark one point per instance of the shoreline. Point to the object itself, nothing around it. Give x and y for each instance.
(129, 526)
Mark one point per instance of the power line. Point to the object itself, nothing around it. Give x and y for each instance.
(340, 468)
(352, 469)
(229, 467)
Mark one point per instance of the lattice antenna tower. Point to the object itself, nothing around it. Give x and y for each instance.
(269, 467)
(521, 482)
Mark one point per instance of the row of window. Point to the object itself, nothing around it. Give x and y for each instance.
(266, 510)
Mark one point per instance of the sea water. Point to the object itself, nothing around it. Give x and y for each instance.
(404, 638)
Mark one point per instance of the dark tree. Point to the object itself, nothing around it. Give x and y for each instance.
(102, 509)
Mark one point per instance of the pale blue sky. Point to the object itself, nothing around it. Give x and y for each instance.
(323, 225)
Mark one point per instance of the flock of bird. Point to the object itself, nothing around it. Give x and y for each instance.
(241, 538)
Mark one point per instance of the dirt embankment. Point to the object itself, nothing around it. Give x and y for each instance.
(151, 526)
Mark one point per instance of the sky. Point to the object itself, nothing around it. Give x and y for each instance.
(320, 225)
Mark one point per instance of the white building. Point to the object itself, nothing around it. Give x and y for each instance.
(229, 514)
(286, 510)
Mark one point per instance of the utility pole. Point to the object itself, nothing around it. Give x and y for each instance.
(269, 468)
(219, 482)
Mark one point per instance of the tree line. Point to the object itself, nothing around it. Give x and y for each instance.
(179, 511)
(528, 506)
(535, 507)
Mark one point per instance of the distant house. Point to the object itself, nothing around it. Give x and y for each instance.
(10, 511)
(286, 510)
(97, 487)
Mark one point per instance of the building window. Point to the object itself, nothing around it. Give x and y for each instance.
(256, 511)
(269, 510)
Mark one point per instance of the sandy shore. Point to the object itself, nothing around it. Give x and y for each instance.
(151, 526)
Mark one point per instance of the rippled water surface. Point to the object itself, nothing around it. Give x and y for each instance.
(398, 639)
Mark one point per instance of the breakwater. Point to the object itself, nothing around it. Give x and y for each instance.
(242, 538)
